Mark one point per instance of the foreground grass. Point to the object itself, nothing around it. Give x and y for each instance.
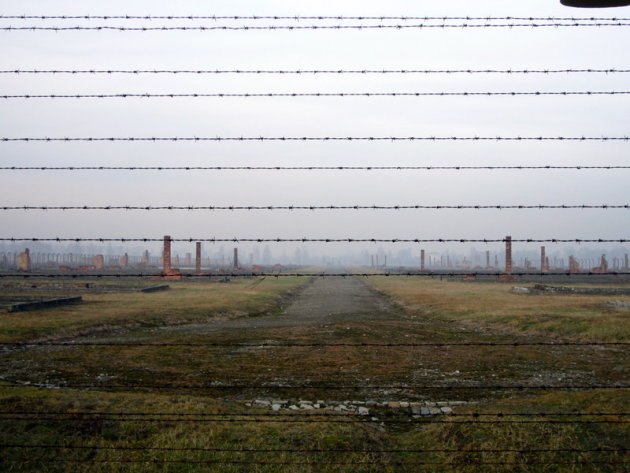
(492, 305)
(157, 442)
(435, 312)
(185, 302)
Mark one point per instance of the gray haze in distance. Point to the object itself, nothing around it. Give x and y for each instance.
(518, 48)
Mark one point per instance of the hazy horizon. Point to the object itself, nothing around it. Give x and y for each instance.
(465, 48)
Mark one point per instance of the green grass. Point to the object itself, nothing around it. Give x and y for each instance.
(185, 302)
(444, 433)
(429, 311)
(95, 431)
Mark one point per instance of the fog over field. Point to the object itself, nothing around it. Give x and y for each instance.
(515, 48)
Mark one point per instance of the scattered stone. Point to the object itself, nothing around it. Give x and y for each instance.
(293, 407)
(393, 405)
(404, 404)
(520, 290)
(276, 407)
(434, 411)
(364, 411)
(446, 410)
(619, 305)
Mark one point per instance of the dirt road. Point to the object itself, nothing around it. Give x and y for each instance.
(323, 301)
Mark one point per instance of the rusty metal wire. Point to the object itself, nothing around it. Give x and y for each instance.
(313, 94)
(219, 386)
(466, 464)
(314, 138)
(571, 24)
(323, 240)
(445, 273)
(426, 420)
(316, 71)
(299, 450)
(314, 207)
(312, 345)
(346, 415)
(307, 168)
(301, 17)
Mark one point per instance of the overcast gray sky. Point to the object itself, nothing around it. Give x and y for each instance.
(517, 48)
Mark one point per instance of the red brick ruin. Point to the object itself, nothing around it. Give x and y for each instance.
(236, 258)
(98, 262)
(574, 265)
(421, 260)
(508, 255)
(198, 257)
(24, 261)
(544, 262)
(603, 265)
(123, 262)
(168, 272)
(508, 261)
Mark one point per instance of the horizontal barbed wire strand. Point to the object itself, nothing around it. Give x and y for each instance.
(314, 345)
(313, 415)
(315, 138)
(332, 450)
(317, 207)
(301, 17)
(498, 387)
(314, 463)
(315, 71)
(308, 168)
(445, 273)
(205, 420)
(324, 240)
(25, 97)
(314, 94)
(576, 24)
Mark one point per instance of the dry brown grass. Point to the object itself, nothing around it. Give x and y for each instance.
(185, 302)
(492, 305)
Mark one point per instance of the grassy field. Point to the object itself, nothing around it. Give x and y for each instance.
(119, 443)
(109, 421)
(492, 305)
(185, 302)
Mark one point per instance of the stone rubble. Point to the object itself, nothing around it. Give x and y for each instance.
(362, 408)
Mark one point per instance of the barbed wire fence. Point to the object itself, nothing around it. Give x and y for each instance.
(454, 22)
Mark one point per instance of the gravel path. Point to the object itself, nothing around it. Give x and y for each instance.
(323, 301)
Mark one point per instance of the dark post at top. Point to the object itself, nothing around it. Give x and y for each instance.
(595, 3)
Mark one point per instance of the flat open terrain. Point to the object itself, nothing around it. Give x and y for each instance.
(342, 374)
